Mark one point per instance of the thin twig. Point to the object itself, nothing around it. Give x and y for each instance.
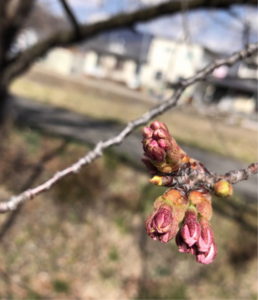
(14, 201)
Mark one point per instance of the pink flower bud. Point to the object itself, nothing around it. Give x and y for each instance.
(152, 144)
(164, 144)
(147, 132)
(154, 151)
(206, 237)
(183, 247)
(158, 154)
(162, 149)
(191, 229)
(146, 143)
(162, 225)
(207, 257)
(160, 134)
(156, 125)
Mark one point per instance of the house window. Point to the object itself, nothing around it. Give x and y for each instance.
(158, 75)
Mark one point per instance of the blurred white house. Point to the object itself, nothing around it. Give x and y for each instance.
(116, 55)
(155, 64)
(169, 60)
(130, 57)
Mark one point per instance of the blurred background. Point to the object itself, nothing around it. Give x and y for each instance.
(85, 238)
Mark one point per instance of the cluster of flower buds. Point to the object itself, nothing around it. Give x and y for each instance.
(184, 211)
(185, 217)
(196, 236)
(161, 151)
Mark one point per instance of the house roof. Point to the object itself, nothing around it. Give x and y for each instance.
(125, 43)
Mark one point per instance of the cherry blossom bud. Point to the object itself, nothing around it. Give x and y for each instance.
(223, 188)
(207, 257)
(162, 149)
(206, 237)
(154, 151)
(160, 134)
(162, 225)
(147, 132)
(183, 247)
(164, 144)
(157, 125)
(191, 229)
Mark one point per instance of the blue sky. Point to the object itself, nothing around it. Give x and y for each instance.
(214, 29)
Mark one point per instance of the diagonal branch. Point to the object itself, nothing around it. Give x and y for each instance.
(14, 201)
(68, 37)
(71, 17)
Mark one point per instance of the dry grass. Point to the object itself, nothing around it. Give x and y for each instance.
(188, 126)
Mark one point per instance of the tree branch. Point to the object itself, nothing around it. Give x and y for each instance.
(188, 178)
(14, 201)
(71, 17)
(64, 38)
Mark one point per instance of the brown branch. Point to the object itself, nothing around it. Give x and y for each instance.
(71, 17)
(64, 38)
(189, 178)
(14, 201)
(243, 174)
